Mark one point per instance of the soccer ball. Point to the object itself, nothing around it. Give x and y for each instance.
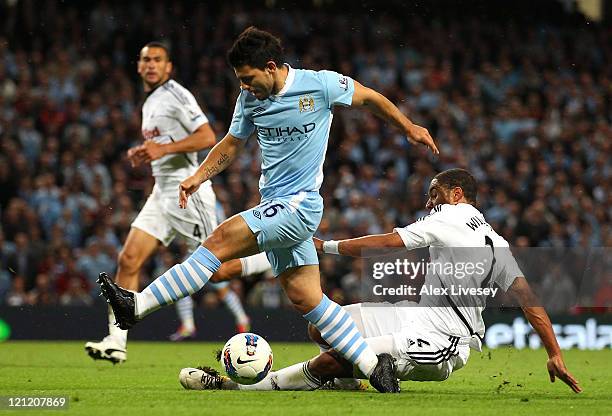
(247, 358)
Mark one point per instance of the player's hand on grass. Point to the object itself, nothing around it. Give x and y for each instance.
(186, 188)
(151, 150)
(420, 135)
(318, 244)
(556, 369)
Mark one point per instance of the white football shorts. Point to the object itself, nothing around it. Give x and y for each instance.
(163, 219)
(422, 353)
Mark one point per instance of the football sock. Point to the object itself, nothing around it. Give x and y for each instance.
(118, 334)
(184, 308)
(233, 303)
(254, 264)
(295, 377)
(339, 330)
(180, 281)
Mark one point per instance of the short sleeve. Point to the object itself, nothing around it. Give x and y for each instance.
(241, 127)
(506, 268)
(189, 113)
(339, 88)
(421, 233)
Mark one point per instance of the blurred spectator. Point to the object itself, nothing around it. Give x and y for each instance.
(267, 293)
(557, 290)
(7, 250)
(43, 292)
(23, 260)
(65, 280)
(522, 99)
(76, 294)
(5, 285)
(93, 261)
(603, 298)
(351, 282)
(17, 295)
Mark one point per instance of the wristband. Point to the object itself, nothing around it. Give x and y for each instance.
(331, 247)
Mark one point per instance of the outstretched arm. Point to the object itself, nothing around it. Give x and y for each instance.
(219, 158)
(382, 107)
(538, 318)
(354, 247)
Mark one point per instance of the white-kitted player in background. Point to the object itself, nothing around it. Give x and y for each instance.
(174, 129)
(432, 339)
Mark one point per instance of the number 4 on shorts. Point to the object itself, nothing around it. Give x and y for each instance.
(196, 231)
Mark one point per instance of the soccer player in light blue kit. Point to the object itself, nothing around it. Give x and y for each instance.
(291, 112)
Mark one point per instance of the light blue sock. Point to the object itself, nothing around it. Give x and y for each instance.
(338, 329)
(180, 281)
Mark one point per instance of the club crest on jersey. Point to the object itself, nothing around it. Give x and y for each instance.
(306, 103)
(150, 134)
(343, 83)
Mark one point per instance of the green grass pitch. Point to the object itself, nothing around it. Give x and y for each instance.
(502, 382)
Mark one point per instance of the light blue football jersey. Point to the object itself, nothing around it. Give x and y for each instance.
(292, 129)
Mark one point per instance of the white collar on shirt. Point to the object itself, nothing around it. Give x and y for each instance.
(288, 82)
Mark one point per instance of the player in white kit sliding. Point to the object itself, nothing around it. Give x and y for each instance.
(175, 129)
(432, 339)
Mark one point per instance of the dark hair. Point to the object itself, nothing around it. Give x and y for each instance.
(255, 47)
(461, 178)
(161, 45)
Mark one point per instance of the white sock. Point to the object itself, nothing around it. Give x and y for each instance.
(184, 308)
(255, 264)
(180, 281)
(233, 303)
(118, 334)
(295, 377)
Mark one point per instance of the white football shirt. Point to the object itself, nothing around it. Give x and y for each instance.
(465, 253)
(169, 114)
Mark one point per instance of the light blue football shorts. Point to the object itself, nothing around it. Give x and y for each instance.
(284, 227)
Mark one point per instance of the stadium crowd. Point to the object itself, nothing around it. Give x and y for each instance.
(525, 103)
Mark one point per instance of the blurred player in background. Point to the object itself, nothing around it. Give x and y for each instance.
(430, 340)
(175, 129)
(291, 112)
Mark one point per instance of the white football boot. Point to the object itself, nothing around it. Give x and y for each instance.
(205, 378)
(107, 349)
